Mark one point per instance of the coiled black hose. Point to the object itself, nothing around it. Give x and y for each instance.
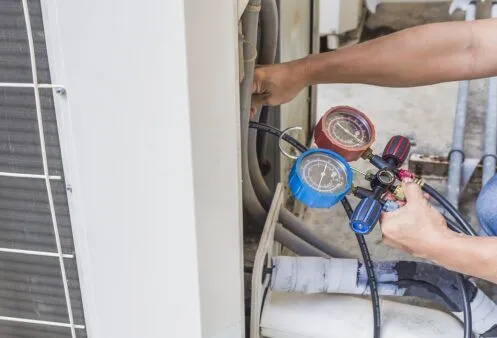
(375, 299)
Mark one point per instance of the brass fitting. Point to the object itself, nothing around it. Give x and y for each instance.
(398, 192)
(367, 154)
(419, 181)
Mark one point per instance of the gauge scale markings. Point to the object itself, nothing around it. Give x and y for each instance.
(323, 173)
(347, 129)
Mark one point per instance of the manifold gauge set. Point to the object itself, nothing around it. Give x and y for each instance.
(322, 176)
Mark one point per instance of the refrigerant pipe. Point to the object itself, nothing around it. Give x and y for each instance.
(490, 147)
(250, 20)
(267, 53)
(251, 203)
(395, 278)
(249, 153)
(456, 155)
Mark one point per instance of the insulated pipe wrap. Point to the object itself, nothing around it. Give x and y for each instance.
(315, 275)
(250, 21)
(484, 313)
(395, 278)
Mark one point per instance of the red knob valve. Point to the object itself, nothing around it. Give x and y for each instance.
(397, 150)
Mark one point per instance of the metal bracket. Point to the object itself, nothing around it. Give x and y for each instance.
(438, 166)
(263, 259)
(468, 169)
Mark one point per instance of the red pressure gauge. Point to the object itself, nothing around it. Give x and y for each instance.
(346, 131)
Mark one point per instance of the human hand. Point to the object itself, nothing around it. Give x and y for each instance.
(416, 227)
(279, 83)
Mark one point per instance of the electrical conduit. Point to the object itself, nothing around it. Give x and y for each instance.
(490, 146)
(456, 155)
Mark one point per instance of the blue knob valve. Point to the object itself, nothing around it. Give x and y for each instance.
(365, 216)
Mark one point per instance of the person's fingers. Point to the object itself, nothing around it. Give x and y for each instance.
(258, 81)
(252, 112)
(384, 216)
(388, 196)
(260, 99)
(413, 192)
(391, 243)
(396, 245)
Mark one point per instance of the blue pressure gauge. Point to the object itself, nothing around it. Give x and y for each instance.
(320, 178)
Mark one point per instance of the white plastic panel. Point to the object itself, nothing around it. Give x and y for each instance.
(150, 141)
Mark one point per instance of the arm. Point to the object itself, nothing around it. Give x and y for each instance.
(421, 230)
(474, 256)
(416, 56)
(420, 55)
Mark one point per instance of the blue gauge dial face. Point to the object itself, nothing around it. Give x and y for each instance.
(323, 173)
(348, 129)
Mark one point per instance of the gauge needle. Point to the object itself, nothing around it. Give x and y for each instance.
(348, 132)
(322, 176)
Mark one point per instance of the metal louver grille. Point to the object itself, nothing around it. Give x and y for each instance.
(36, 243)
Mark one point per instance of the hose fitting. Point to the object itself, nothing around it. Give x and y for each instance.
(398, 193)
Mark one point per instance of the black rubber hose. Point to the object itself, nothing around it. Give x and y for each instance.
(375, 299)
(468, 230)
(276, 132)
(454, 226)
(450, 209)
(261, 145)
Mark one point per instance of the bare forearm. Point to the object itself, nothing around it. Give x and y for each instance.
(474, 256)
(417, 56)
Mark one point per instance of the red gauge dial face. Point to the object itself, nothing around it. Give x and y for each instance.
(348, 129)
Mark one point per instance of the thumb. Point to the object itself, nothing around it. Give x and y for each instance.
(413, 192)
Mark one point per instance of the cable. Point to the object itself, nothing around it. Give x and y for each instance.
(463, 227)
(276, 132)
(450, 208)
(375, 299)
(454, 226)
(261, 142)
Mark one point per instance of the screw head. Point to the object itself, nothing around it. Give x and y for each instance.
(60, 90)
